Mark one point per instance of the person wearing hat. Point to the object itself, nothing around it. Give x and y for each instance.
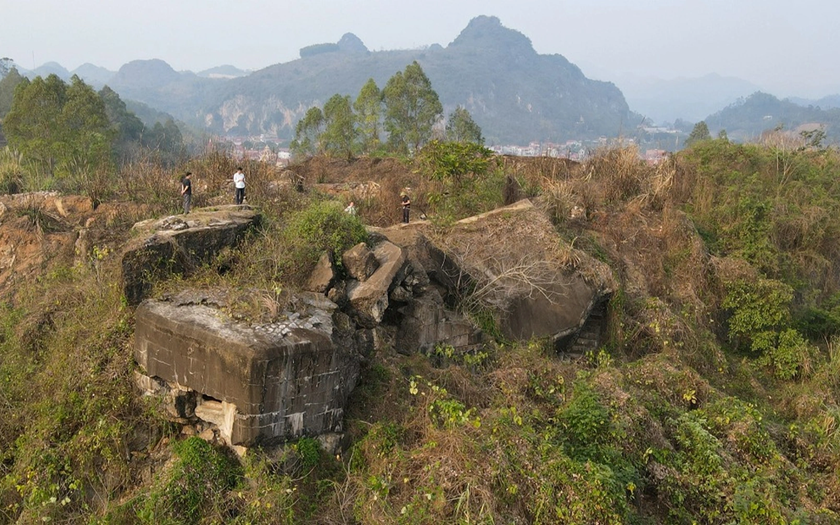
(406, 206)
(186, 191)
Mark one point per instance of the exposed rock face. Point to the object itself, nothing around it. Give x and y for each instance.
(177, 244)
(359, 262)
(538, 285)
(257, 384)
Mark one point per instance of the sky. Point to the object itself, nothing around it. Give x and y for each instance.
(786, 47)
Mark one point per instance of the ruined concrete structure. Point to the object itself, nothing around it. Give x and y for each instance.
(292, 376)
(259, 383)
(179, 243)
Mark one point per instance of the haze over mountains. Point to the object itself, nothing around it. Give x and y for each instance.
(515, 94)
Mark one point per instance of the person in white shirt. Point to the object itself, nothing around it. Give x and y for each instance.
(351, 208)
(239, 185)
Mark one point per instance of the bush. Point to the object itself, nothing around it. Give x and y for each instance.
(322, 226)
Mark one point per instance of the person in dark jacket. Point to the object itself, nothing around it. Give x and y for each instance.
(406, 206)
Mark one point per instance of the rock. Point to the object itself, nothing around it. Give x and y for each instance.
(338, 294)
(323, 276)
(428, 262)
(359, 262)
(331, 443)
(255, 384)
(516, 256)
(369, 299)
(400, 295)
(208, 434)
(519, 264)
(174, 245)
(426, 323)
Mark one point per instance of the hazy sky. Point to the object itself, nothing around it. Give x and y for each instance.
(787, 47)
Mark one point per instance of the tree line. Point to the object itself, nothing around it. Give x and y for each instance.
(61, 128)
(407, 112)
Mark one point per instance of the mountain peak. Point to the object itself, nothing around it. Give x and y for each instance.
(487, 32)
(147, 74)
(350, 43)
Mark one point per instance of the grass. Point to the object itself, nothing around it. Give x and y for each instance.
(670, 423)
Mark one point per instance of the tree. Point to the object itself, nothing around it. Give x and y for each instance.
(85, 125)
(307, 133)
(7, 90)
(6, 66)
(462, 128)
(368, 108)
(59, 127)
(698, 134)
(127, 128)
(339, 135)
(412, 108)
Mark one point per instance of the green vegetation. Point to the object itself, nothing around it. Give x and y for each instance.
(715, 399)
(368, 108)
(460, 127)
(411, 110)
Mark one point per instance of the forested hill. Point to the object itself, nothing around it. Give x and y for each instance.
(748, 118)
(512, 92)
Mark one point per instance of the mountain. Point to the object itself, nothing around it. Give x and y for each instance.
(155, 83)
(749, 117)
(513, 93)
(94, 75)
(226, 71)
(50, 68)
(682, 98)
(828, 102)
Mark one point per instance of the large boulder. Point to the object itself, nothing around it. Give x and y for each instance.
(323, 276)
(369, 299)
(515, 265)
(256, 383)
(359, 262)
(177, 244)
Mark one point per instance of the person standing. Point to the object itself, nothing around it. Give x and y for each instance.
(186, 191)
(351, 208)
(239, 185)
(406, 206)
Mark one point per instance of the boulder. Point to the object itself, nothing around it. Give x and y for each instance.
(177, 244)
(323, 276)
(428, 262)
(257, 384)
(369, 299)
(516, 266)
(359, 262)
(426, 323)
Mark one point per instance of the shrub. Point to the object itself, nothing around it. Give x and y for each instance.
(322, 226)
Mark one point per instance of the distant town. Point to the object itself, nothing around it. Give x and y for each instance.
(270, 149)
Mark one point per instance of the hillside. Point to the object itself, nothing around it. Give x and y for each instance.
(513, 93)
(748, 118)
(713, 397)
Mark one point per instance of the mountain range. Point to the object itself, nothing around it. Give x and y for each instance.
(515, 94)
